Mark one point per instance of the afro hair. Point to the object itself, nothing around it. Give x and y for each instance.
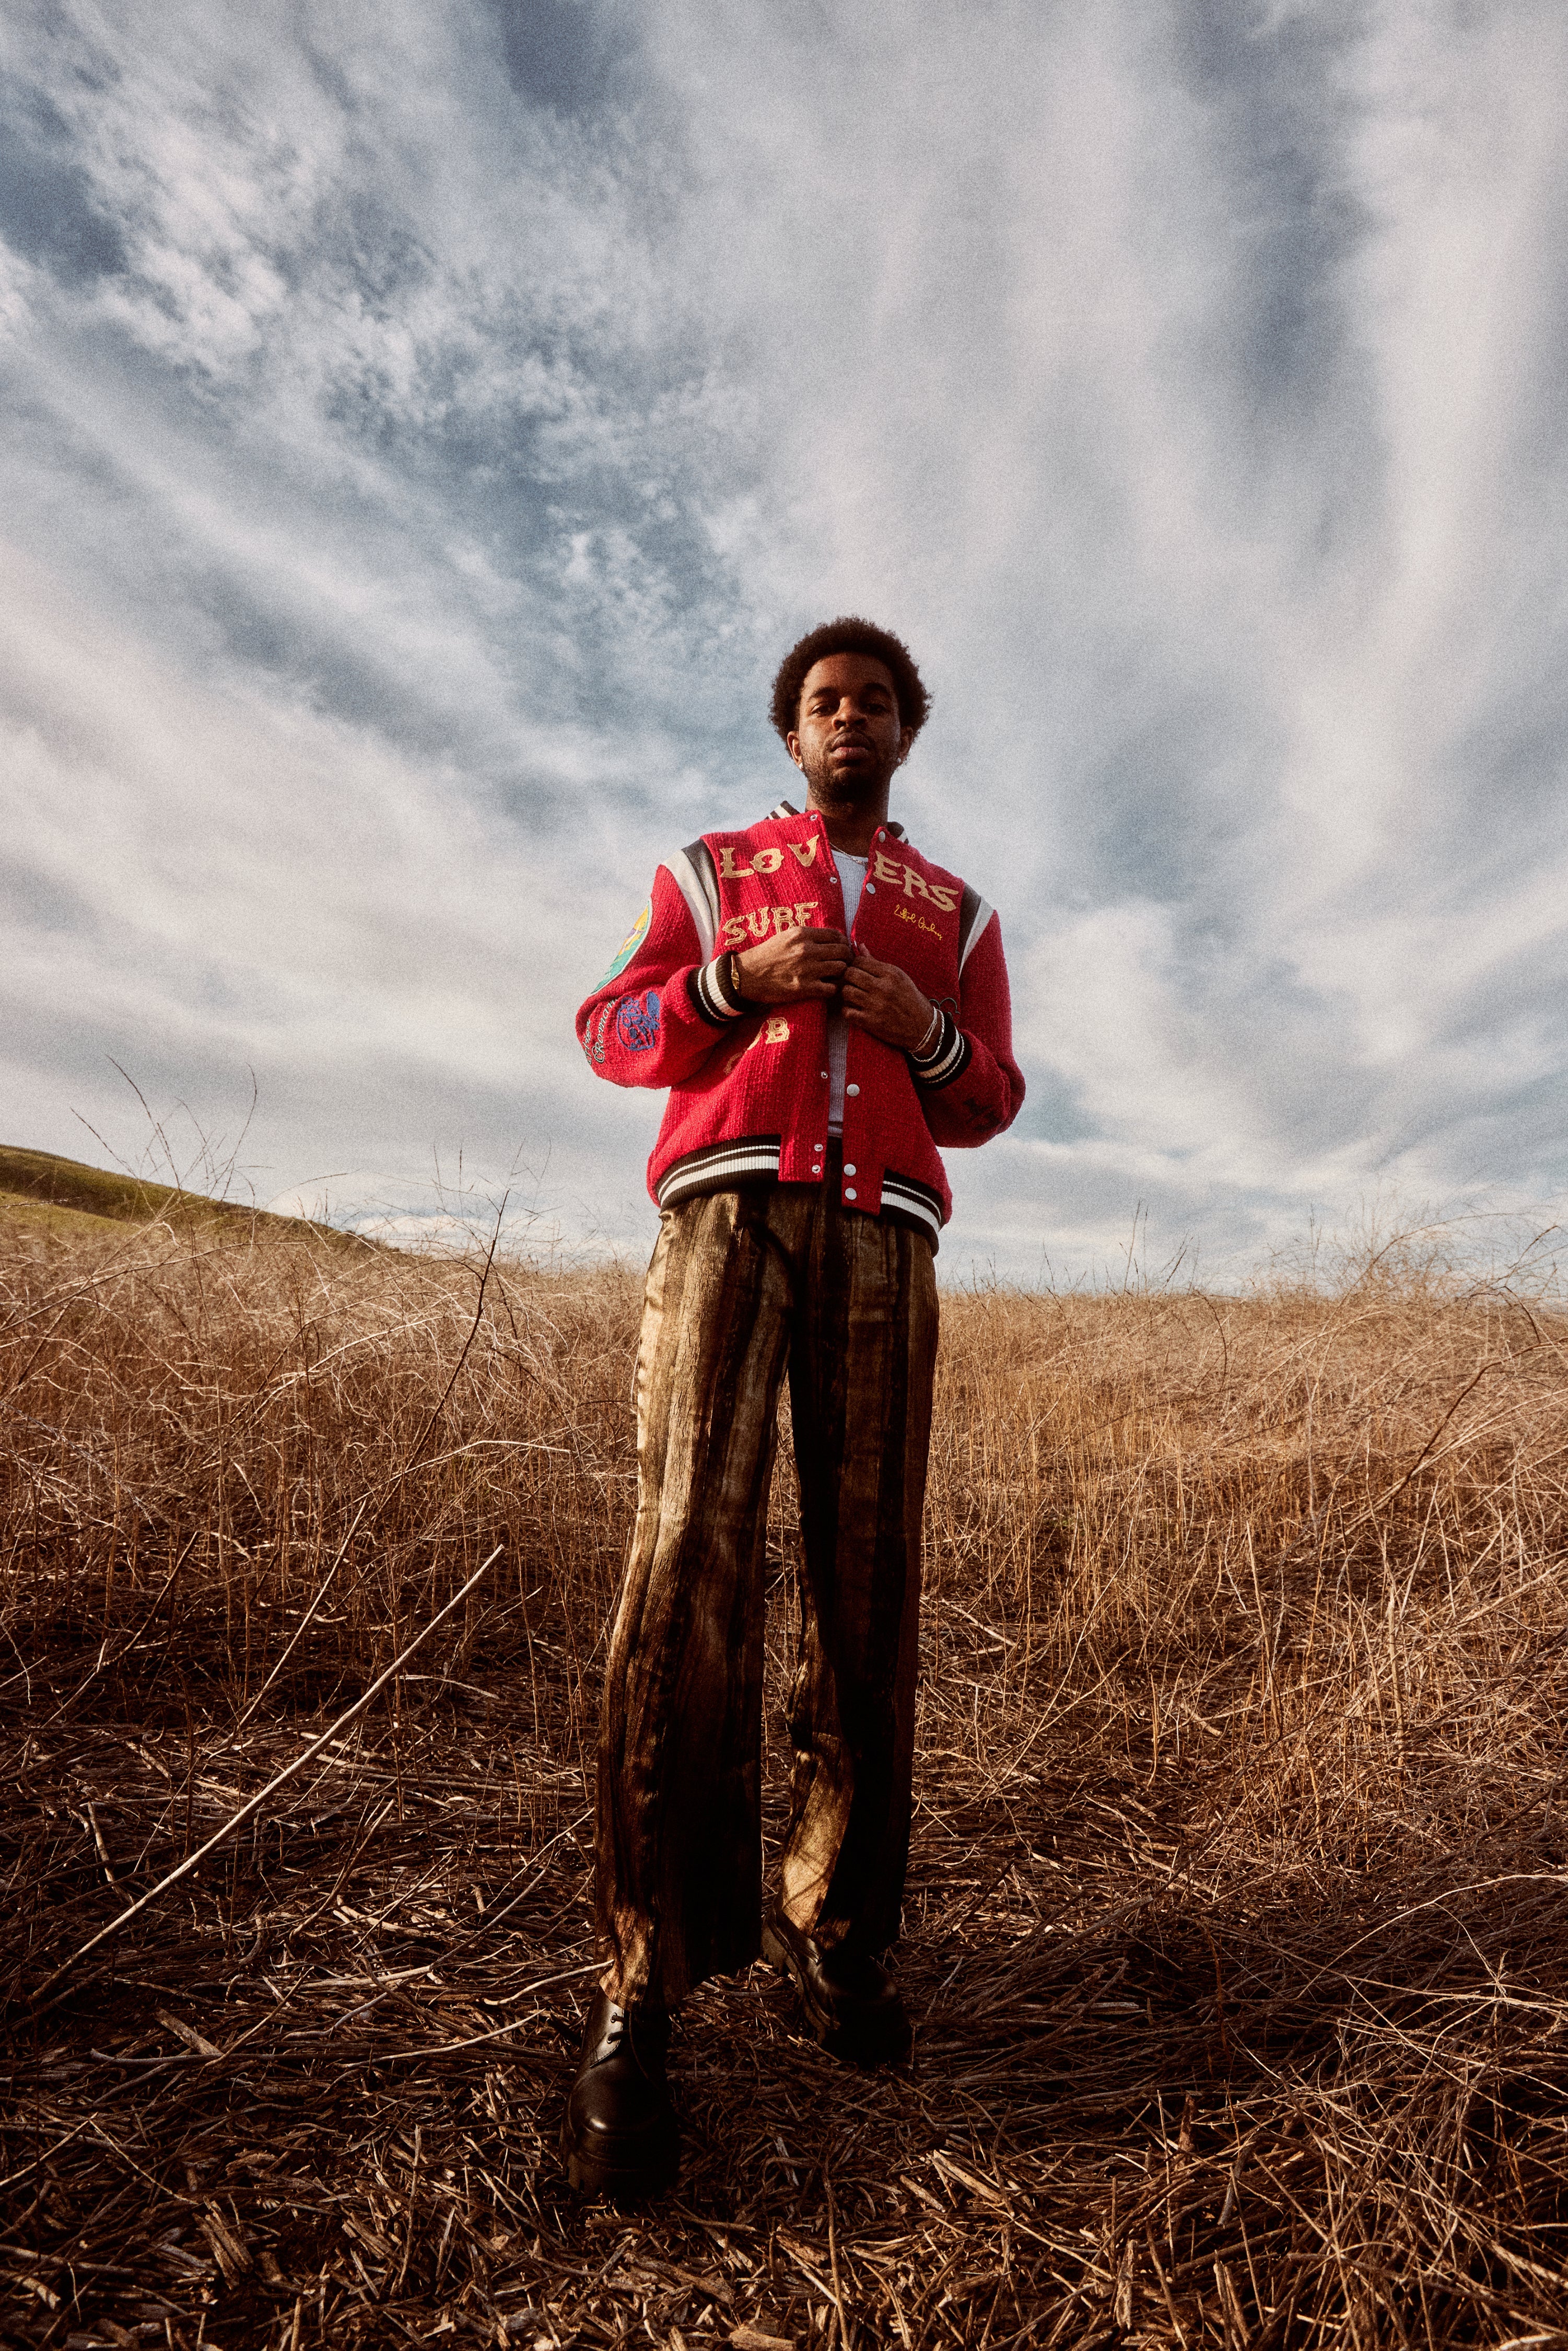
(848, 634)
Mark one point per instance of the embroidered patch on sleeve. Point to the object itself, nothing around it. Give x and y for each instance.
(594, 1036)
(629, 945)
(637, 1021)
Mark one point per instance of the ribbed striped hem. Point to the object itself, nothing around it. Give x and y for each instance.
(733, 1166)
(947, 1059)
(712, 994)
(722, 1167)
(903, 1195)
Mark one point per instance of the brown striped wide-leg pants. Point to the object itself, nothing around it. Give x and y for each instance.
(740, 1283)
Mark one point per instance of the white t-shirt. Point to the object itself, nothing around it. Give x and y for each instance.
(851, 878)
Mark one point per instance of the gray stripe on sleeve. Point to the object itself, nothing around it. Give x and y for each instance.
(691, 870)
(974, 914)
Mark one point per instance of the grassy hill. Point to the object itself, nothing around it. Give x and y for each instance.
(61, 1195)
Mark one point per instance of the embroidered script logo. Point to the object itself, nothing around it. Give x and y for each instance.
(637, 1021)
(594, 1034)
(920, 924)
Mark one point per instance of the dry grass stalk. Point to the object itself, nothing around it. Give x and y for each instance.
(1238, 1930)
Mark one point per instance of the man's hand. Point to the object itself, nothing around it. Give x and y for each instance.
(885, 1001)
(794, 964)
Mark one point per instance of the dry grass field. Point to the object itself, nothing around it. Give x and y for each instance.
(1237, 1935)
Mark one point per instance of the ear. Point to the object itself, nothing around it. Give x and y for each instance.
(906, 745)
(792, 743)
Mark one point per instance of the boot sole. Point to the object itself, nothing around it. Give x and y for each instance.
(889, 2044)
(623, 2184)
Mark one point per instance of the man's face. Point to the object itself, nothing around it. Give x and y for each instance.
(848, 739)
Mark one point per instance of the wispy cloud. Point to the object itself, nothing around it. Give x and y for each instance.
(429, 429)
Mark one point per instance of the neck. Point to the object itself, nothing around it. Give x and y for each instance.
(851, 831)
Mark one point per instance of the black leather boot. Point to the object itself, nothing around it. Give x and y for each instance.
(852, 2002)
(619, 2137)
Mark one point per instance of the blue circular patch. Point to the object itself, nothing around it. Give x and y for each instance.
(637, 1021)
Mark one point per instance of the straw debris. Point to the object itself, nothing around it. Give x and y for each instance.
(1236, 1935)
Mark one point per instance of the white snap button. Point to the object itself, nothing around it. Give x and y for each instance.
(849, 1167)
(849, 1090)
(848, 1191)
(816, 1171)
(825, 1081)
(870, 889)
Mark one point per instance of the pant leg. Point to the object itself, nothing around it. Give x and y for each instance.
(678, 1836)
(863, 1355)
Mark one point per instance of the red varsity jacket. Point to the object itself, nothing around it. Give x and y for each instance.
(748, 1087)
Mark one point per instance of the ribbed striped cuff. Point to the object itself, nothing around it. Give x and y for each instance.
(713, 996)
(948, 1058)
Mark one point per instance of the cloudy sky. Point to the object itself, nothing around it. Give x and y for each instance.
(426, 426)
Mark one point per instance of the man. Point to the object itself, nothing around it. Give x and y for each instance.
(825, 1006)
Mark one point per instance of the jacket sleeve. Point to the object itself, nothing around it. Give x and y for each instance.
(660, 1010)
(970, 1087)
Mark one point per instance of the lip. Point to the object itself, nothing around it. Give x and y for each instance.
(851, 747)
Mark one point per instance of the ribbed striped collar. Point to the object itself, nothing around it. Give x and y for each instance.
(787, 807)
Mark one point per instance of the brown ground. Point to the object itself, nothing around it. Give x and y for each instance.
(1238, 1928)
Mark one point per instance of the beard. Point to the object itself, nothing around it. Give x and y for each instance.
(851, 788)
